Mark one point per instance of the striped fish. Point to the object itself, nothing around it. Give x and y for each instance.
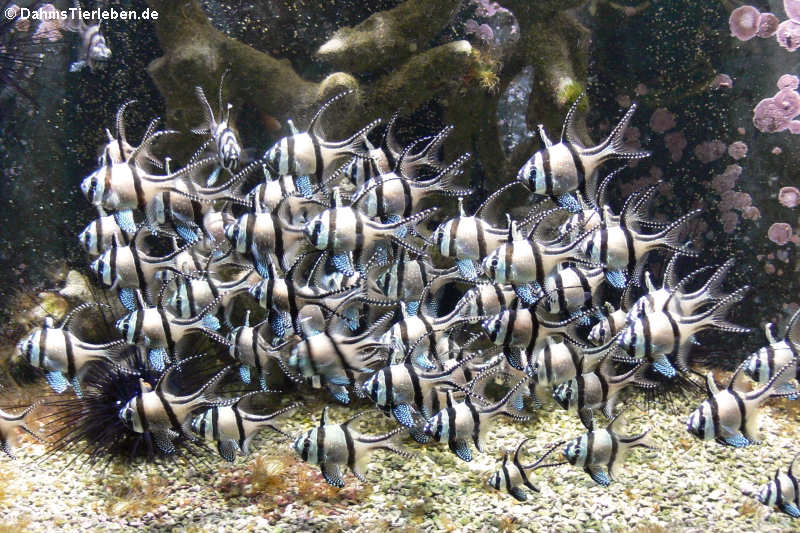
(384, 158)
(568, 166)
(612, 322)
(513, 475)
(193, 294)
(763, 364)
(396, 195)
(730, 416)
(570, 288)
(600, 449)
(782, 492)
(623, 249)
(560, 361)
(257, 357)
(309, 154)
(332, 446)
(62, 355)
(233, 427)
(166, 415)
(488, 299)
(597, 389)
(221, 134)
(100, 234)
(9, 426)
(337, 357)
(268, 239)
(458, 424)
(525, 328)
(94, 51)
(159, 329)
(665, 339)
(119, 150)
(343, 229)
(176, 214)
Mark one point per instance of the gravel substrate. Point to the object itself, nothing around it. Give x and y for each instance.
(686, 485)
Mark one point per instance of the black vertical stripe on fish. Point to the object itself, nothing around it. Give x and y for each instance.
(576, 160)
(522, 474)
(537, 256)
(388, 385)
(589, 448)
(379, 207)
(239, 427)
(278, 244)
(321, 453)
(548, 172)
(165, 325)
(306, 446)
(614, 450)
(70, 356)
(771, 359)
(214, 423)
(481, 239)
(173, 419)
(351, 448)
(548, 364)
(587, 290)
(506, 477)
(512, 318)
(360, 238)
(112, 265)
(412, 375)
(508, 259)
(42, 344)
(137, 330)
(99, 227)
(630, 247)
(647, 336)
(451, 424)
(712, 401)
(604, 246)
(137, 268)
(197, 212)
(248, 233)
(319, 167)
(603, 386)
(408, 203)
(676, 334)
(290, 158)
(254, 348)
(476, 423)
(580, 387)
(142, 415)
(451, 252)
(742, 409)
(137, 186)
(332, 228)
(560, 293)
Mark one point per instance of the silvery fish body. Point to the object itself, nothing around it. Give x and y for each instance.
(763, 364)
(782, 492)
(10, 425)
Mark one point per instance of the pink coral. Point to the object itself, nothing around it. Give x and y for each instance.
(662, 120)
(751, 213)
(779, 233)
(744, 22)
(737, 150)
(742, 200)
(788, 35)
(775, 114)
(767, 25)
(788, 81)
(709, 151)
(675, 142)
(789, 197)
(729, 221)
(722, 183)
(792, 8)
(50, 26)
(794, 127)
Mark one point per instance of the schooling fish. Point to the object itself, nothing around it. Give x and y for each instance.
(94, 52)
(603, 448)
(782, 492)
(332, 446)
(665, 338)
(233, 427)
(100, 234)
(762, 365)
(309, 154)
(62, 355)
(513, 474)
(730, 416)
(568, 166)
(222, 136)
(9, 424)
(164, 414)
(458, 424)
(268, 238)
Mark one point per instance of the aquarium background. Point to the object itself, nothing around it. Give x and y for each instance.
(696, 86)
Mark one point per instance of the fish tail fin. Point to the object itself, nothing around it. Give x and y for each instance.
(428, 156)
(386, 442)
(356, 144)
(443, 182)
(614, 145)
(715, 316)
(672, 236)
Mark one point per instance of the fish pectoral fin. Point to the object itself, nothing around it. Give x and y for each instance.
(163, 441)
(587, 418)
(461, 449)
(57, 381)
(332, 474)
(790, 509)
(228, 448)
(598, 475)
(518, 493)
(244, 374)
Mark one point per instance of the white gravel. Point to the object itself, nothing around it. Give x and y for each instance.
(686, 485)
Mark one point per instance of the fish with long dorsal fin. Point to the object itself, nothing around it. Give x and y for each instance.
(93, 52)
(62, 355)
(165, 414)
(600, 449)
(730, 416)
(513, 474)
(763, 364)
(221, 135)
(568, 166)
(332, 446)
